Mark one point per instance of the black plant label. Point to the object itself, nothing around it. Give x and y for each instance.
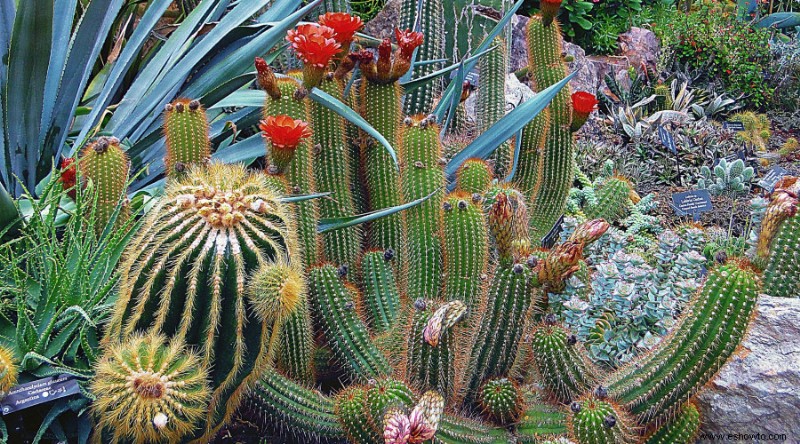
(549, 240)
(691, 202)
(772, 177)
(38, 392)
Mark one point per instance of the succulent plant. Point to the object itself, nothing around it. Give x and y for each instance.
(733, 177)
(8, 370)
(104, 165)
(186, 130)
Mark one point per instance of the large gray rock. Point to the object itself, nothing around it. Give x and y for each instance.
(640, 47)
(516, 93)
(382, 25)
(758, 391)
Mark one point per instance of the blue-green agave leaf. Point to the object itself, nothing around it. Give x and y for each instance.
(337, 223)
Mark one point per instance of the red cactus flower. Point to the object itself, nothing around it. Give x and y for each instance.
(344, 26)
(549, 10)
(284, 134)
(583, 103)
(68, 176)
(314, 44)
(408, 41)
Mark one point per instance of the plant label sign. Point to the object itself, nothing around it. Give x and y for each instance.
(38, 392)
(472, 77)
(772, 177)
(549, 240)
(667, 140)
(692, 202)
(733, 126)
(732, 157)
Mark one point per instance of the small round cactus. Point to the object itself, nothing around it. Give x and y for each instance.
(594, 421)
(275, 291)
(501, 400)
(149, 390)
(8, 370)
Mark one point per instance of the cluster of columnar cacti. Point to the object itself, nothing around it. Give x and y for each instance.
(434, 327)
(778, 248)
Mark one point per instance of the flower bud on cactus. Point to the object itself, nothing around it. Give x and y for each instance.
(588, 232)
(549, 10)
(68, 177)
(148, 390)
(8, 371)
(583, 103)
(266, 79)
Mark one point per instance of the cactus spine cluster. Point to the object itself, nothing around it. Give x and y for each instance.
(186, 131)
(105, 165)
(8, 370)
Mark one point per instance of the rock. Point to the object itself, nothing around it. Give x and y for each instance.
(516, 93)
(519, 43)
(757, 391)
(639, 46)
(587, 78)
(382, 25)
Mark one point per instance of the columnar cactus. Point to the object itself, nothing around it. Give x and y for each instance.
(423, 174)
(149, 390)
(683, 429)
(474, 176)
(466, 250)
(501, 399)
(382, 299)
(491, 105)
(106, 166)
(566, 370)
(546, 157)
(593, 420)
(431, 22)
(186, 131)
(185, 274)
(779, 241)
(613, 200)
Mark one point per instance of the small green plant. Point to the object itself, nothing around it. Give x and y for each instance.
(731, 178)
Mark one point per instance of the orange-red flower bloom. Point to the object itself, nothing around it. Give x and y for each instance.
(408, 41)
(68, 173)
(584, 102)
(314, 44)
(344, 25)
(284, 132)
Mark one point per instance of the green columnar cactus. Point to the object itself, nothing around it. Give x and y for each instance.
(500, 328)
(185, 276)
(682, 429)
(186, 131)
(491, 105)
(432, 26)
(105, 165)
(613, 200)
(565, 368)
(432, 346)
(529, 165)
(657, 385)
(278, 400)
(474, 176)
(465, 249)
(422, 174)
(380, 106)
(782, 274)
(596, 421)
(148, 390)
(540, 420)
(549, 177)
(299, 175)
(383, 396)
(353, 418)
(297, 344)
(330, 159)
(501, 400)
(381, 298)
(346, 333)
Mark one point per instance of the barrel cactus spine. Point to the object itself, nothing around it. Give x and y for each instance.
(8, 370)
(185, 273)
(106, 166)
(187, 136)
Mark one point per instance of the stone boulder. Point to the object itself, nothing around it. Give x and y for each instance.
(758, 391)
(639, 47)
(382, 25)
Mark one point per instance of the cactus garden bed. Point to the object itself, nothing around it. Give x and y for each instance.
(243, 222)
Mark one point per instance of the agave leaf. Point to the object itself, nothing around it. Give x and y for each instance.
(421, 81)
(780, 20)
(8, 211)
(485, 144)
(337, 223)
(336, 105)
(304, 197)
